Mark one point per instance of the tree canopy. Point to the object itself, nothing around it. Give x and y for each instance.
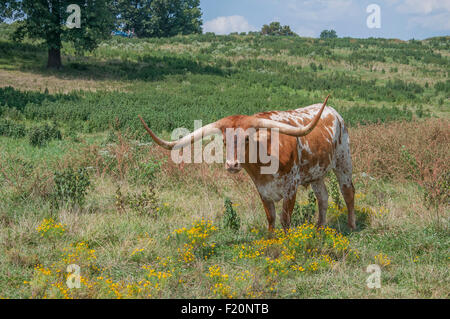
(159, 18)
(328, 34)
(275, 28)
(51, 20)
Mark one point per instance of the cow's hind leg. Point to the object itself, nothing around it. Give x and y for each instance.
(288, 207)
(321, 192)
(343, 173)
(269, 207)
(348, 191)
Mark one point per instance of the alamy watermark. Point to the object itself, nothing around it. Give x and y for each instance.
(374, 19)
(74, 279)
(241, 146)
(374, 280)
(74, 19)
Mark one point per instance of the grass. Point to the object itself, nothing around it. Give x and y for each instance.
(149, 228)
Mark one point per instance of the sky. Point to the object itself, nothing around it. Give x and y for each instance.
(401, 19)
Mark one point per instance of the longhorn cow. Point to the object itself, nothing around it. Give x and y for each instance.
(312, 140)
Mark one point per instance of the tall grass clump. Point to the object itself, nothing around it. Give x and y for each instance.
(230, 219)
(304, 212)
(403, 151)
(40, 135)
(71, 187)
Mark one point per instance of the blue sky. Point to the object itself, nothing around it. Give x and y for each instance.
(402, 19)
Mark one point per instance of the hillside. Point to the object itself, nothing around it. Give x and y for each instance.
(80, 183)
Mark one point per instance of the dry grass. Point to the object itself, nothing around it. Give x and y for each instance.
(194, 191)
(401, 151)
(381, 150)
(28, 81)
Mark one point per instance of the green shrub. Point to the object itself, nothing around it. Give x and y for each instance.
(442, 86)
(304, 213)
(11, 129)
(230, 219)
(367, 115)
(71, 187)
(13, 98)
(335, 190)
(143, 202)
(42, 134)
(145, 172)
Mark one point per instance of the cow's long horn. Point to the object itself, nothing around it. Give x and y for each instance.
(191, 138)
(289, 129)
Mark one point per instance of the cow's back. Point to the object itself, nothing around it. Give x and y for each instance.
(317, 151)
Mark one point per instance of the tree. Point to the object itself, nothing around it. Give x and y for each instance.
(275, 28)
(133, 14)
(46, 19)
(328, 34)
(159, 18)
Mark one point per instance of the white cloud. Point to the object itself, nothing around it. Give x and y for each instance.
(320, 10)
(309, 17)
(423, 6)
(436, 22)
(226, 25)
(426, 14)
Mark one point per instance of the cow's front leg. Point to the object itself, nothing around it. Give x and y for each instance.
(288, 207)
(269, 207)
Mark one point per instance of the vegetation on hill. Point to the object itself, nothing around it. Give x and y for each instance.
(275, 28)
(81, 184)
(159, 18)
(328, 34)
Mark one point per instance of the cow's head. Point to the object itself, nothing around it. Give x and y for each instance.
(244, 142)
(240, 134)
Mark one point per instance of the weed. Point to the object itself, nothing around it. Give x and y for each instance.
(71, 187)
(230, 219)
(50, 229)
(42, 134)
(304, 213)
(145, 202)
(12, 129)
(335, 190)
(145, 172)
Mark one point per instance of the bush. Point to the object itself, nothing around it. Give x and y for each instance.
(367, 115)
(275, 28)
(143, 202)
(145, 172)
(436, 187)
(71, 187)
(304, 213)
(230, 219)
(442, 86)
(328, 34)
(11, 129)
(41, 135)
(335, 191)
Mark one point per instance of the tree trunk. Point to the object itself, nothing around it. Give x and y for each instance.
(54, 58)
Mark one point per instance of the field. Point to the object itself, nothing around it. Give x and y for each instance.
(80, 182)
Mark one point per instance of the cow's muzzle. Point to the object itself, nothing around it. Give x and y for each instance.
(233, 166)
